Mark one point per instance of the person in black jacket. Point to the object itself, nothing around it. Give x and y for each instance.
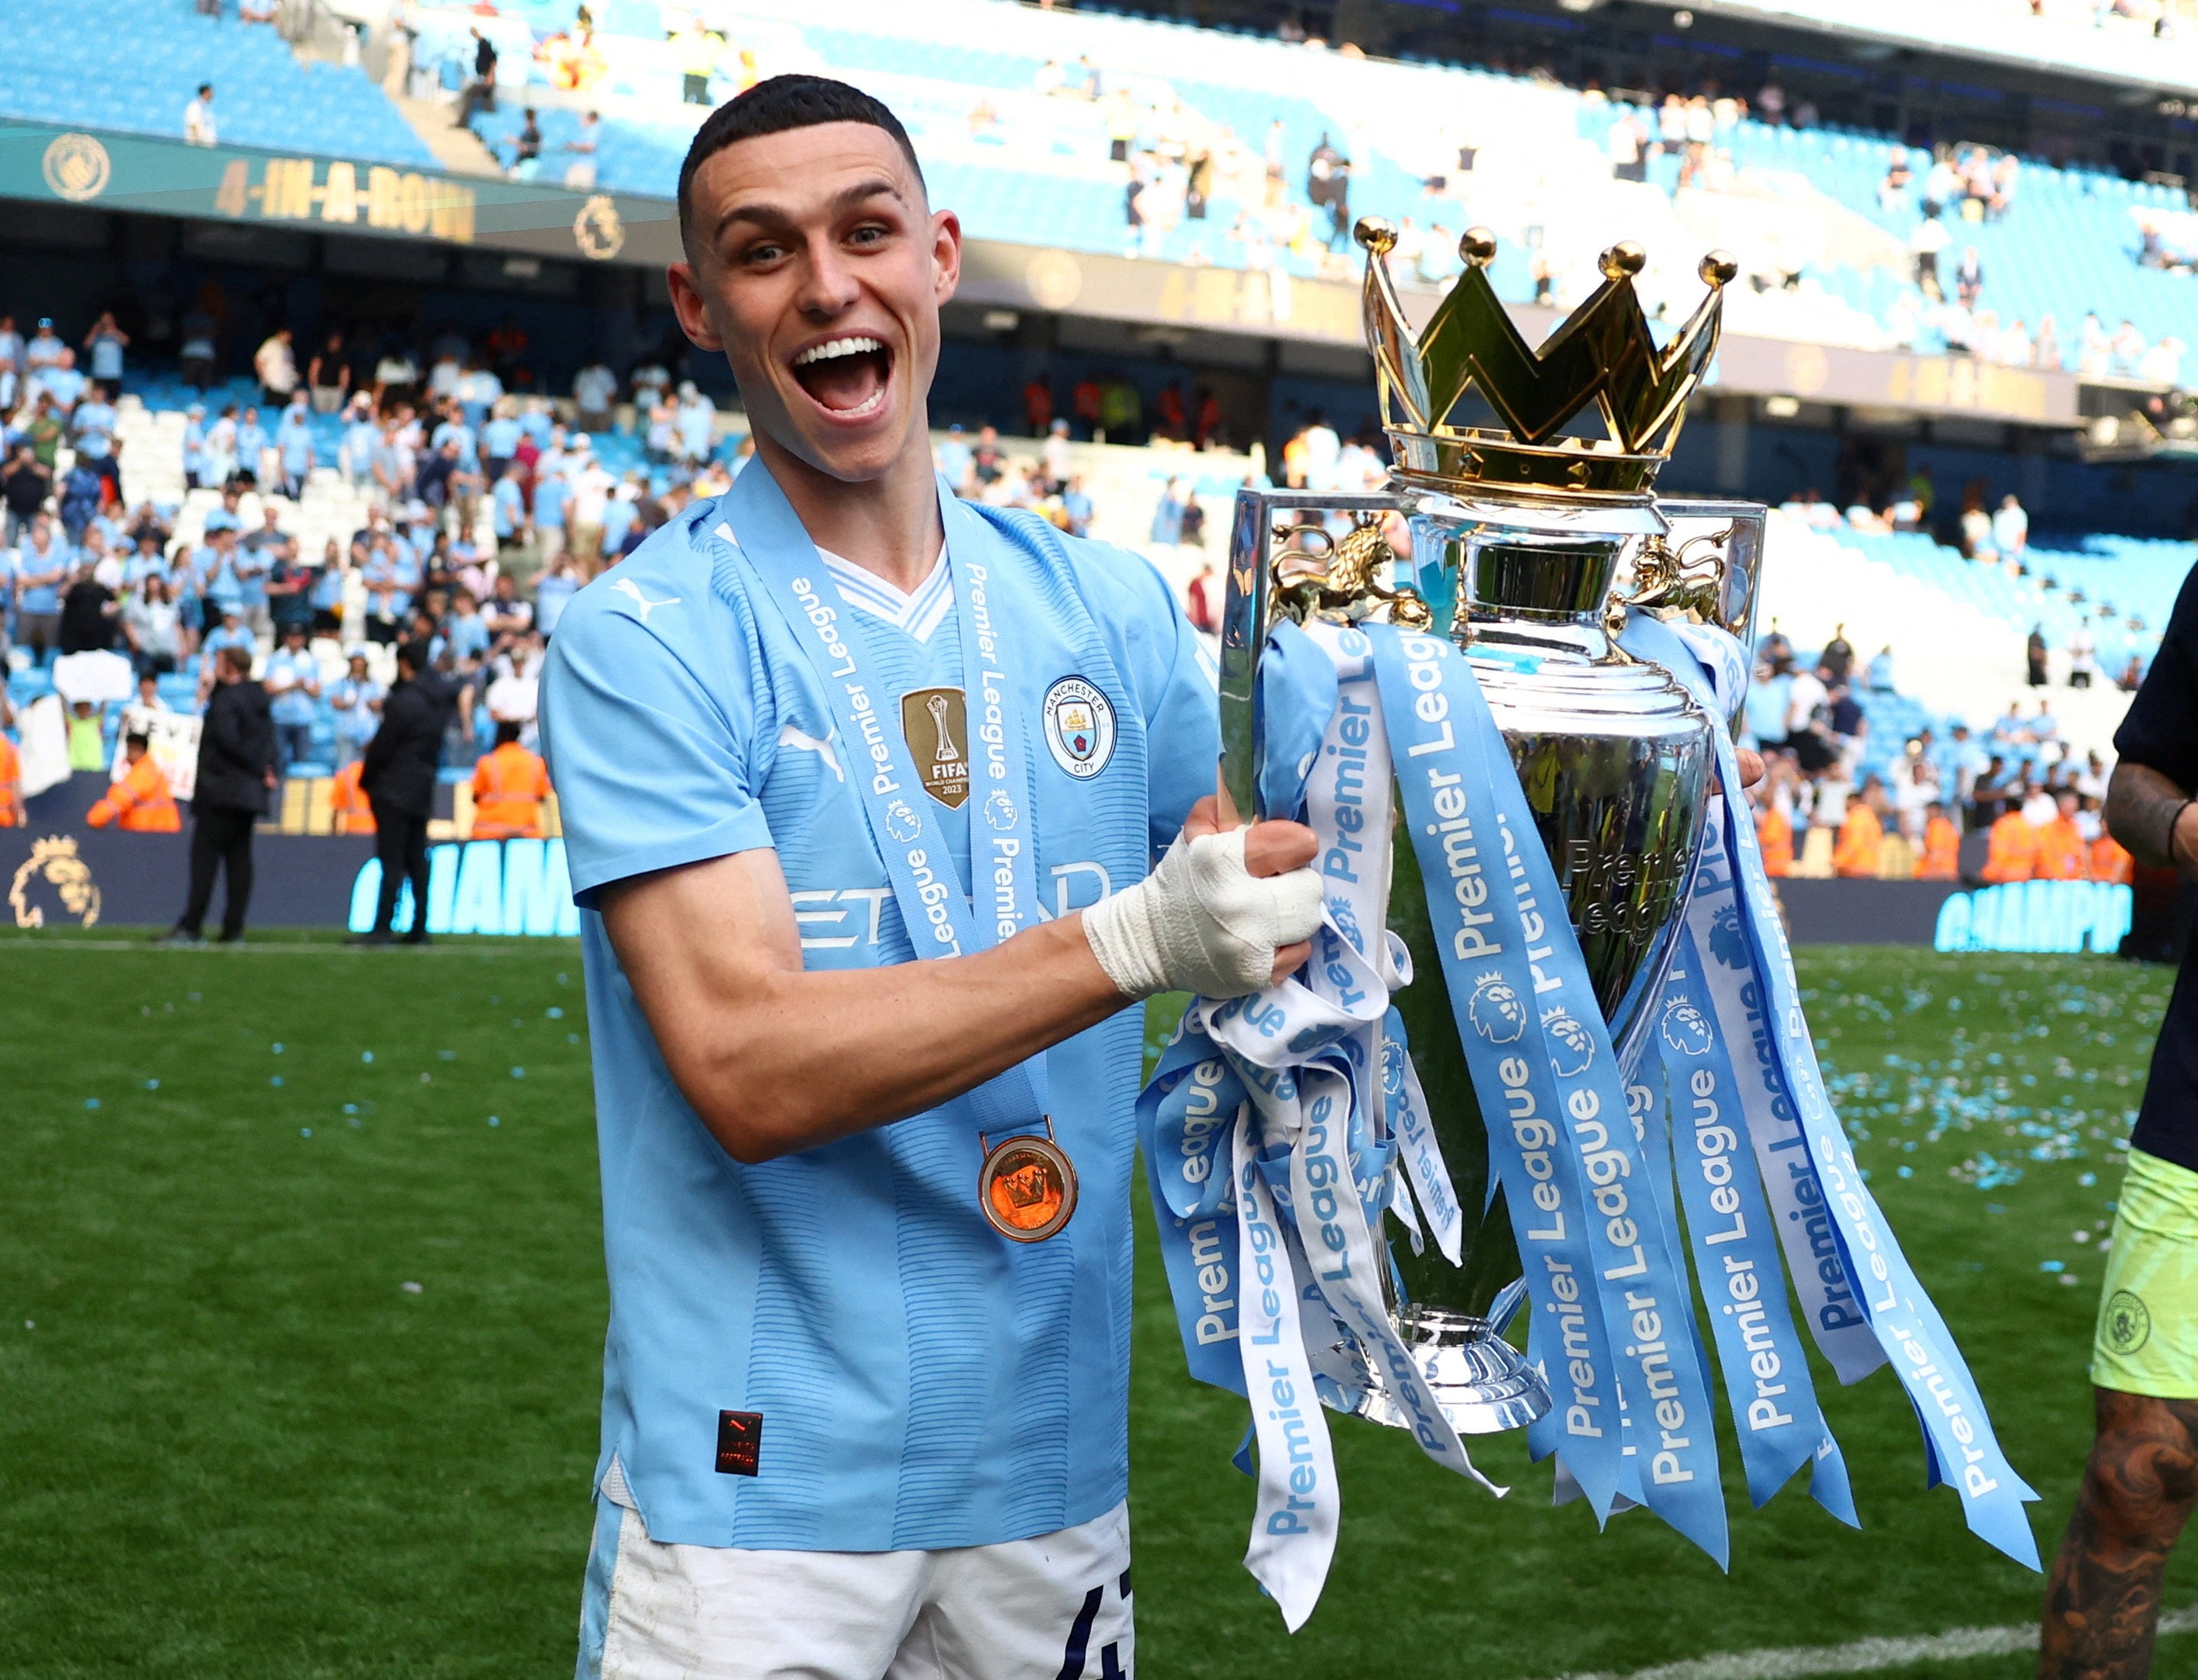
(236, 771)
(398, 779)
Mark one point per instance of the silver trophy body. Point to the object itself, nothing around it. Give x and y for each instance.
(1617, 761)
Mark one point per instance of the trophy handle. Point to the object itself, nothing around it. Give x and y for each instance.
(1708, 568)
(1256, 597)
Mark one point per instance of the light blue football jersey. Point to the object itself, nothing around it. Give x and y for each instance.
(923, 1382)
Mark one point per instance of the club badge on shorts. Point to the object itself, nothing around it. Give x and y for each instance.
(1027, 1186)
(935, 723)
(1079, 726)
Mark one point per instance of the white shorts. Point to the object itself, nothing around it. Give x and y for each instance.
(1055, 1608)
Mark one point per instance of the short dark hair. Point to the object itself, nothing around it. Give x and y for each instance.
(138, 738)
(416, 653)
(236, 659)
(508, 730)
(774, 106)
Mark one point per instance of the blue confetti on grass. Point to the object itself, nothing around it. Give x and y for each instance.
(276, 1080)
(366, 1055)
(277, 1048)
(305, 1131)
(152, 1084)
(518, 1072)
(2053, 1266)
(350, 1108)
(493, 1121)
(91, 1102)
(556, 1014)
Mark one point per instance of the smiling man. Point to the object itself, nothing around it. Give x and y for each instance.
(861, 787)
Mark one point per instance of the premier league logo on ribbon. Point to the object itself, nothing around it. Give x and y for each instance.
(1498, 1015)
(1685, 1030)
(1571, 1047)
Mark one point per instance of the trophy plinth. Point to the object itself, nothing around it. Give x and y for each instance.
(1483, 1384)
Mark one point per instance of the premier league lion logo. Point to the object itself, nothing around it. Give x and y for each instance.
(1572, 1049)
(902, 823)
(1685, 1030)
(1728, 943)
(1000, 810)
(1498, 1015)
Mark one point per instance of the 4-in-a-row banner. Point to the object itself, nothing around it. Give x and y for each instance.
(328, 195)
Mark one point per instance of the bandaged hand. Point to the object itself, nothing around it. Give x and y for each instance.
(1202, 922)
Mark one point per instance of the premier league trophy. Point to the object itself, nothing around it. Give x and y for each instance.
(1527, 547)
(1548, 1051)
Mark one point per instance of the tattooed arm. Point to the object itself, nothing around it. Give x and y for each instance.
(2155, 820)
(2102, 1600)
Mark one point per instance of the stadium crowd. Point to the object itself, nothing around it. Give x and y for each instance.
(1820, 812)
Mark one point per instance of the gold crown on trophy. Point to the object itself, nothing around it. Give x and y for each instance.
(1603, 353)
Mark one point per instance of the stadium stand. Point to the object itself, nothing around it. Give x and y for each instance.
(133, 65)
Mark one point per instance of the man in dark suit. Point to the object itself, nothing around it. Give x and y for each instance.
(236, 772)
(399, 777)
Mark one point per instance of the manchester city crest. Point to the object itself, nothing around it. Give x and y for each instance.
(1079, 726)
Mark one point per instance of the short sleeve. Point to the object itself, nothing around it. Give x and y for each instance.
(648, 753)
(2161, 731)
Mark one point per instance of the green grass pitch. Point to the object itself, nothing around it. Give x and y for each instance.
(301, 1303)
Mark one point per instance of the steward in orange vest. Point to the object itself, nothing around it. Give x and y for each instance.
(2062, 854)
(1942, 846)
(2013, 855)
(11, 786)
(1862, 840)
(352, 812)
(139, 804)
(509, 785)
(1775, 836)
(2110, 863)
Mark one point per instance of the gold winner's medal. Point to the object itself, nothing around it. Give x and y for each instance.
(1027, 1186)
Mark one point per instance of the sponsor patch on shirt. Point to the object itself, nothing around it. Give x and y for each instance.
(740, 1443)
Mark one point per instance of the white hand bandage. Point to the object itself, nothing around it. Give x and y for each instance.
(1200, 923)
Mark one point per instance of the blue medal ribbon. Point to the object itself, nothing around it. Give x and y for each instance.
(1737, 1259)
(938, 917)
(1958, 1435)
(1543, 1063)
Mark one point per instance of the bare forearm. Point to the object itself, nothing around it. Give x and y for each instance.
(775, 1059)
(2142, 807)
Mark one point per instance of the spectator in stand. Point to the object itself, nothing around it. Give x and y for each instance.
(103, 347)
(150, 626)
(399, 777)
(42, 568)
(1836, 663)
(356, 700)
(2010, 529)
(235, 773)
(294, 447)
(553, 591)
(1167, 515)
(1924, 245)
(327, 375)
(2034, 655)
(1076, 507)
(89, 612)
(479, 93)
(580, 174)
(275, 362)
(1941, 859)
(954, 460)
(25, 484)
(527, 150)
(292, 682)
(595, 388)
(198, 117)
